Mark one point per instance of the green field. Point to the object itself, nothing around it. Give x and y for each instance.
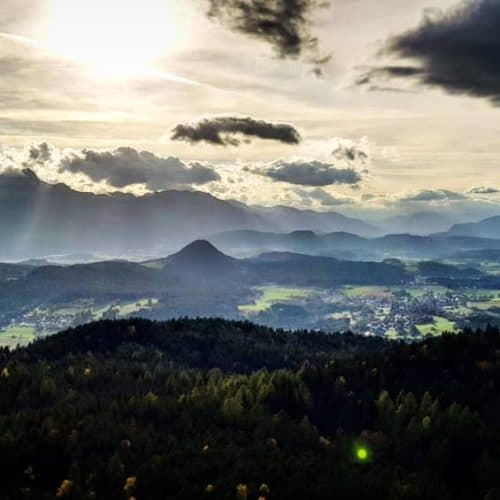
(134, 307)
(435, 329)
(126, 309)
(438, 327)
(483, 300)
(357, 292)
(272, 295)
(485, 306)
(15, 335)
(483, 294)
(458, 310)
(392, 334)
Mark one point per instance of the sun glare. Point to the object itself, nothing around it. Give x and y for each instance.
(114, 38)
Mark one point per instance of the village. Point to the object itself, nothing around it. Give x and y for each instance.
(408, 313)
(403, 314)
(44, 321)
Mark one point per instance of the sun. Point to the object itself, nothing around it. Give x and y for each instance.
(114, 38)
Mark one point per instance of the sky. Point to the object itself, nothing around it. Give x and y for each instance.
(358, 106)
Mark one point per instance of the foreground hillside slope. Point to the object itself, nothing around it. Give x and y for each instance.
(213, 409)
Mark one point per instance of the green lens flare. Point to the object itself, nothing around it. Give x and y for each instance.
(362, 454)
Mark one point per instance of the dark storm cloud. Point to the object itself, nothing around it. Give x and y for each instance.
(225, 131)
(285, 24)
(126, 166)
(309, 173)
(429, 195)
(456, 50)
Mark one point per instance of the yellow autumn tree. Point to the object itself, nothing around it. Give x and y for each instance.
(65, 489)
(130, 484)
(241, 492)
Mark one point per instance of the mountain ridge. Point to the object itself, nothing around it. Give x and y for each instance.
(348, 245)
(39, 219)
(484, 228)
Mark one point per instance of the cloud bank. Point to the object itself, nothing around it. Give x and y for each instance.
(297, 182)
(227, 131)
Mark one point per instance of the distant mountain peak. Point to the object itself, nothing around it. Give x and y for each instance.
(201, 247)
(201, 255)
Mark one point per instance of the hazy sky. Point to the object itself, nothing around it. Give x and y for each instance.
(404, 113)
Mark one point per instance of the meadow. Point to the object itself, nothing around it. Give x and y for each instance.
(16, 335)
(270, 295)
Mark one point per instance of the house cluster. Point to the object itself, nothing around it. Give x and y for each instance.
(378, 313)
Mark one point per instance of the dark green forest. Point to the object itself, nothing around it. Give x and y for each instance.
(212, 409)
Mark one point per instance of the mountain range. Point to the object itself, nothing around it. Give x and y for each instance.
(40, 219)
(351, 246)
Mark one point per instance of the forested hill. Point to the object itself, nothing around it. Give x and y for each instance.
(213, 409)
(203, 343)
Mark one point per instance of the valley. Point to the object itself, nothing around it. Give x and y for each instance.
(408, 312)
